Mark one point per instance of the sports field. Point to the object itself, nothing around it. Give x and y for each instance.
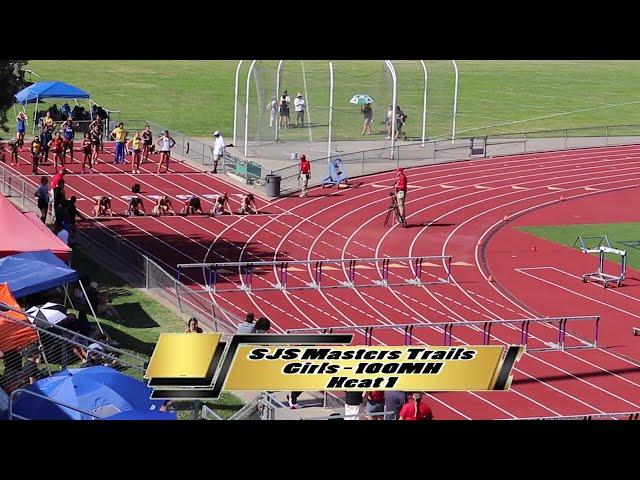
(195, 97)
(624, 236)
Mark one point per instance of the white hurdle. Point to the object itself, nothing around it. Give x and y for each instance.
(600, 275)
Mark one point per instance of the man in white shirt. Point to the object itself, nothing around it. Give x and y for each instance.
(218, 149)
(299, 105)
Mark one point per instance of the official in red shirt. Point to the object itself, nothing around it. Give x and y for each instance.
(57, 177)
(401, 190)
(416, 409)
(305, 174)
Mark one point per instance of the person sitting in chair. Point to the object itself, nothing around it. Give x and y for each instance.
(248, 205)
(163, 207)
(192, 206)
(218, 206)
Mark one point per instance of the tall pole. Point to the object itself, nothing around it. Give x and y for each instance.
(278, 70)
(424, 102)
(246, 111)
(235, 103)
(330, 109)
(394, 105)
(455, 104)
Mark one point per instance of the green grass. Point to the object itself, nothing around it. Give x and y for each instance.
(143, 321)
(615, 232)
(196, 97)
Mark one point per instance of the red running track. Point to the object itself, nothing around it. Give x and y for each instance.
(451, 208)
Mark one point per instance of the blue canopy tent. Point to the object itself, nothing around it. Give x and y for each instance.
(33, 272)
(92, 393)
(41, 90)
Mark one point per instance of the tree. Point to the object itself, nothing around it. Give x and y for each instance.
(11, 82)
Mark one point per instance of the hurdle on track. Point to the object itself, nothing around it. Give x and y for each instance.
(600, 275)
(517, 326)
(327, 273)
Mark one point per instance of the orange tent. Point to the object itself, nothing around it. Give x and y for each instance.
(13, 336)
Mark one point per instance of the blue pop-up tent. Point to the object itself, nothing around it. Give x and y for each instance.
(33, 272)
(42, 90)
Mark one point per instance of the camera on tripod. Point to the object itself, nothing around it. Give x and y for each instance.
(393, 211)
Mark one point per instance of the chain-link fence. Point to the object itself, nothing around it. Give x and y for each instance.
(57, 348)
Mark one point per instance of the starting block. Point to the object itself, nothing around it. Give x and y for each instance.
(600, 275)
(334, 174)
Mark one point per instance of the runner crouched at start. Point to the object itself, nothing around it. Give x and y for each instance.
(192, 206)
(248, 205)
(136, 206)
(218, 206)
(163, 207)
(102, 207)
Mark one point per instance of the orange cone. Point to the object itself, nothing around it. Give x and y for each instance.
(490, 278)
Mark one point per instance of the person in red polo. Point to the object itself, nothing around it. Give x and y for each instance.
(305, 174)
(416, 409)
(401, 191)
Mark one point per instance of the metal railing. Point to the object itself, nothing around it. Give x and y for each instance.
(479, 326)
(443, 150)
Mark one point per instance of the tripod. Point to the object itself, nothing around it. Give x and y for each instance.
(393, 212)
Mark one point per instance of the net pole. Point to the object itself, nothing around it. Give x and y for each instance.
(277, 127)
(246, 110)
(424, 101)
(455, 103)
(394, 105)
(330, 109)
(235, 102)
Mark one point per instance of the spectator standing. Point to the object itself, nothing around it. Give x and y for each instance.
(218, 149)
(21, 127)
(283, 110)
(166, 143)
(416, 409)
(86, 152)
(42, 194)
(352, 402)
(401, 119)
(45, 140)
(299, 105)
(374, 404)
(56, 145)
(147, 143)
(247, 326)
(305, 174)
(36, 151)
(67, 140)
(119, 134)
(367, 113)
(272, 110)
(136, 147)
(47, 122)
(393, 403)
(389, 121)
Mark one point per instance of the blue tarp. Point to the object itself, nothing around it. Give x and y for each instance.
(42, 90)
(34, 272)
